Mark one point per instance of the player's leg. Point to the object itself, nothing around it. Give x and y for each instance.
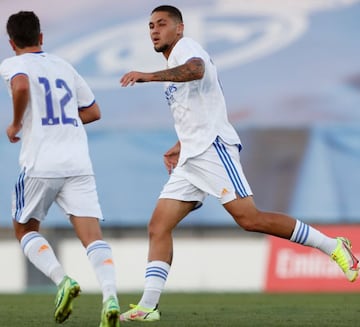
(98, 252)
(101, 258)
(277, 224)
(79, 200)
(38, 250)
(166, 216)
(238, 201)
(245, 213)
(31, 201)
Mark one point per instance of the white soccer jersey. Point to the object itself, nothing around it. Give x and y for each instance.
(54, 141)
(198, 107)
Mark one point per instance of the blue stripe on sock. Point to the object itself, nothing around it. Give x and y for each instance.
(27, 238)
(299, 232)
(302, 233)
(97, 245)
(154, 275)
(157, 268)
(306, 234)
(156, 272)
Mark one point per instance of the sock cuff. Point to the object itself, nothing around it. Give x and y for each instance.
(158, 269)
(301, 232)
(29, 238)
(160, 264)
(96, 245)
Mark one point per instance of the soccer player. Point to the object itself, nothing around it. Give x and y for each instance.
(205, 160)
(51, 102)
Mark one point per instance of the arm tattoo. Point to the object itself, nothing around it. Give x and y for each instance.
(192, 70)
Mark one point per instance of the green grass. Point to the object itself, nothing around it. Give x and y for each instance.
(196, 310)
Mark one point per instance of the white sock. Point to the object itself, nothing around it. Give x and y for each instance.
(37, 249)
(309, 236)
(101, 259)
(155, 278)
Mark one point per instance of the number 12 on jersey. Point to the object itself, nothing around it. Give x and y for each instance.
(50, 118)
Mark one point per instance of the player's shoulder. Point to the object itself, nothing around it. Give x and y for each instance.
(188, 44)
(9, 64)
(187, 47)
(184, 42)
(60, 62)
(56, 58)
(188, 41)
(9, 60)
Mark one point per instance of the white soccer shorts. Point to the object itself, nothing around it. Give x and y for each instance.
(34, 196)
(216, 172)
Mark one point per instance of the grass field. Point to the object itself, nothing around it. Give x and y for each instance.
(196, 310)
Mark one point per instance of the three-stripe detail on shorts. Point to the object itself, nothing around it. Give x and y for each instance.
(19, 195)
(230, 168)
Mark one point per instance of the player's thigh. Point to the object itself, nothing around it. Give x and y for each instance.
(168, 213)
(78, 197)
(177, 198)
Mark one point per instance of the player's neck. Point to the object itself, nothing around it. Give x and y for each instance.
(167, 52)
(19, 51)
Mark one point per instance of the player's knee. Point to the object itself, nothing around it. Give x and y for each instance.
(157, 230)
(248, 222)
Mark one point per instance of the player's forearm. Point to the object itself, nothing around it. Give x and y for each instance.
(20, 90)
(192, 70)
(20, 101)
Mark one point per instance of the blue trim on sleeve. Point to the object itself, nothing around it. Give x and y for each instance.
(11, 78)
(85, 107)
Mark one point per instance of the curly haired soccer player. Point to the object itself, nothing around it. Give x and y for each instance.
(205, 161)
(51, 102)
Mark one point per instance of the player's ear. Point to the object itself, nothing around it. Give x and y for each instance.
(12, 44)
(41, 39)
(180, 28)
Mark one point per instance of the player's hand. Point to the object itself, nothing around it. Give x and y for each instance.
(12, 132)
(171, 157)
(134, 77)
(170, 162)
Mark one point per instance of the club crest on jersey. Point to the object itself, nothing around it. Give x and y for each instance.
(169, 94)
